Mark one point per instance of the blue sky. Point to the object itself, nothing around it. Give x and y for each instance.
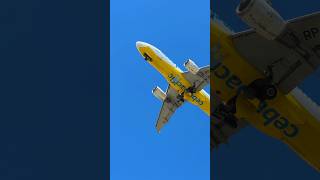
(251, 154)
(180, 29)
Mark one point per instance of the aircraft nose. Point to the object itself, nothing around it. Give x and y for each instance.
(140, 44)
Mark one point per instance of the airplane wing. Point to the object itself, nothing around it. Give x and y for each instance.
(169, 106)
(199, 80)
(221, 131)
(289, 67)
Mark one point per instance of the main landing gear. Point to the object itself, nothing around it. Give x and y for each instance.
(180, 97)
(190, 89)
(262, 89)
(226, 112)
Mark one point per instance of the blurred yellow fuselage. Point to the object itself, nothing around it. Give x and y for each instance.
(284, 117)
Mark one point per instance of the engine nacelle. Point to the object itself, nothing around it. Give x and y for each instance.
(191, 66)
(260, 16)
(158, 93)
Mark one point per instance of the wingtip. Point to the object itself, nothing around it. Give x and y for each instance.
(158, 130)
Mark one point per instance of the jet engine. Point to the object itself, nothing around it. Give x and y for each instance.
(260, 16)
(191, 66)
(158, 93)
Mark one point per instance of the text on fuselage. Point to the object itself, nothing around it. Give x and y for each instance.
(269, 114)
(176, 82)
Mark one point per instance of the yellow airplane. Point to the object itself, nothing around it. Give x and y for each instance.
(182, 85)
(255, 75)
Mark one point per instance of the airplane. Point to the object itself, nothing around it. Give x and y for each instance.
(255, 74)
(183, 86)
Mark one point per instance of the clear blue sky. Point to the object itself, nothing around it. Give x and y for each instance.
(250, 154)
(180, 29)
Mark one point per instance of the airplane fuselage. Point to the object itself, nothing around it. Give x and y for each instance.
(284, 117)
(174, 76)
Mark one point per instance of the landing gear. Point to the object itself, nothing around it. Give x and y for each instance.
(191, 89)
(226, 112)
(262, 89)
(181, 97)
(231, 120)
(147, 57)
(231, 104)
(231, 110)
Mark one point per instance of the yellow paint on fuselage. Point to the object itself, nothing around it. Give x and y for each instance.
(283, 118)
(175, 78)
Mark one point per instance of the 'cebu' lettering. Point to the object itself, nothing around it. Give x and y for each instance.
(272, 116)
(176, 82)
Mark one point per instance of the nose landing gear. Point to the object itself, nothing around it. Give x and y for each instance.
(147, 57)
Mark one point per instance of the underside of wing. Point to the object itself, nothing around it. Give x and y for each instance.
(169, 106)
(307, 28)
(200, 79)
(290, 65)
